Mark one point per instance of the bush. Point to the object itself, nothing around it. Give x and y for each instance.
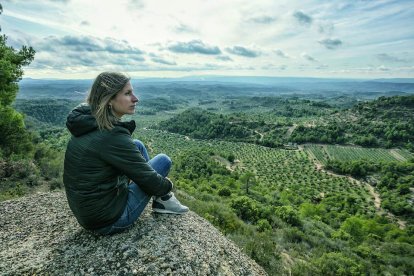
(263, 225)
(224, 192)
(246, 208)
(335, 263)
(288, 214)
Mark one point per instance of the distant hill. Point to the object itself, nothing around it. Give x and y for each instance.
(202, 124)
(213, 86)
(52, 111)
(387, 121)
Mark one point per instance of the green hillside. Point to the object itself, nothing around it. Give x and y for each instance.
(386, 122)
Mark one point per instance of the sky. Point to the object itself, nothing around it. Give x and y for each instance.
(78, 39)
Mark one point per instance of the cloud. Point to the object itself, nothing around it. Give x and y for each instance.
(262, 19)
(242, 51)
(383, 68)
(194, 47)
(326, 28)
(224, 58)
(86, 52)
(274, 67)
(137, 4)
(388, 58)
(182, 28)
(85, 23)
(163, 61)
(303, 18)
(282, 54)
(308, 57)
(331, 43)
(87, 44)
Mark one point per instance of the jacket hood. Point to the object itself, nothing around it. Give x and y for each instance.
(80, 121)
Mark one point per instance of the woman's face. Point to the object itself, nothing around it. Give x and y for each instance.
(124, 101)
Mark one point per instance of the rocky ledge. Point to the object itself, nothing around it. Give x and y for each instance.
(39, 235)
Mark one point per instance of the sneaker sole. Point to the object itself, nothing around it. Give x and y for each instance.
(163, 211)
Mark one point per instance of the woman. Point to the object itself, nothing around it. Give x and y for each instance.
(101, 159)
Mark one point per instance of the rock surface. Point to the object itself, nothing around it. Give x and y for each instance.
(39, 235)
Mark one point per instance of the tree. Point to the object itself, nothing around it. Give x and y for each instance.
(14, 137)
(248, 180)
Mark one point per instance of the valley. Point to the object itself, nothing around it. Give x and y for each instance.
(304, 183)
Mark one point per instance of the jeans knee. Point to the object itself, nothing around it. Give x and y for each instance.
(138, 143)
(165, 158)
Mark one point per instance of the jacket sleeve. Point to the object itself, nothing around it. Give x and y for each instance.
(118, 150)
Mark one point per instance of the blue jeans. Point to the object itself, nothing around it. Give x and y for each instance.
(137, 199)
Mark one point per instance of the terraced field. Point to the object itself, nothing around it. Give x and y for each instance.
(278, 171)
(348, 153)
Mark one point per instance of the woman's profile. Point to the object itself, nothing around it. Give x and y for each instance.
(109, 178)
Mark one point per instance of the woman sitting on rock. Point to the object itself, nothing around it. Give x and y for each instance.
(101, 159)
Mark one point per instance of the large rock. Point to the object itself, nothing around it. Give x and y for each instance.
(39, 235)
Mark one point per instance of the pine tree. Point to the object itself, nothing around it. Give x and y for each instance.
(14, 137)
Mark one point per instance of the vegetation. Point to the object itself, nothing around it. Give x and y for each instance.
(386, 122)
(296, 219)
(25, 162)
(14, 137)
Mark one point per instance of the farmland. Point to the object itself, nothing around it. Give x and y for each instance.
(323, 153)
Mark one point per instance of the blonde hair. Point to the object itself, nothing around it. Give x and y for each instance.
(104, 88)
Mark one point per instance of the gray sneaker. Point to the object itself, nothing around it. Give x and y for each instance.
(168, 204)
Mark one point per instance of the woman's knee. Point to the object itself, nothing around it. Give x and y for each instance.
(165, 158)
(138, 143)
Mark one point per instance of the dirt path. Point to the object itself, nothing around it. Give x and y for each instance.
(371, 190)
(261, 135)
(375, 195)
(290, 130)
(230, 166)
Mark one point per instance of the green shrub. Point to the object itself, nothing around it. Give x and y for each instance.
(263, 225)
(224, 192)
(336, 263)
(246, 208)
(288, 214)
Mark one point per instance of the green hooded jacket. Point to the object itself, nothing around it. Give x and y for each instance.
(98, 166)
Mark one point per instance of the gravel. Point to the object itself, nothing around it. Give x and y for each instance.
(39, 235)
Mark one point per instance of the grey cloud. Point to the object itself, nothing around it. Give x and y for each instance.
(308, 57)
(163, 61)
(262, 19)
(383, 68)
(388, 58)
(80, 43)
(303, 18)
(137, 4)
(194, 47)
(87, 44)
(85, 23)
(182, 28)
(120, 47)
(280, 53)
(72, 51)
(327, 28)
(224, 58)
(242, 51)
(331, 43)
(275, 67)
